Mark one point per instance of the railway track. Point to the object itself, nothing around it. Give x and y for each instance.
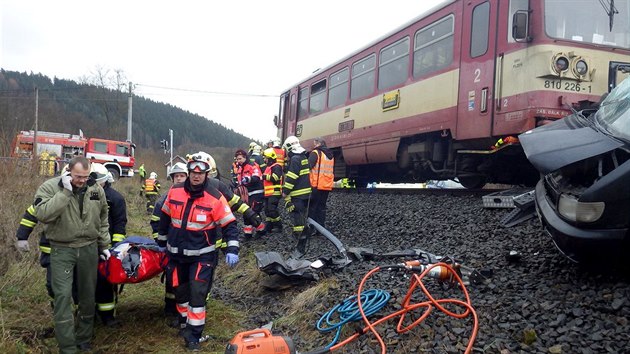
(421, 191)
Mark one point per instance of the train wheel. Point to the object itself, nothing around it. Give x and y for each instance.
(472, 182)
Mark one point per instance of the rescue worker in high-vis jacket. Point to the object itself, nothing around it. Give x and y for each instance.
(250, 177)
(296, 191)
(191, 215)
(272, 184)
(280, 152)
(151, 189)
(27, 224)
(142, 173)
(106, 292)
(74, 212)
(256, 157)
(178, 174)
(322, 163)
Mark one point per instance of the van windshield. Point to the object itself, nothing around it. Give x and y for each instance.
(614, 114)
(588, 21)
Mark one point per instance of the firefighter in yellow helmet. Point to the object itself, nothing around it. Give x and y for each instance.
(272, 185)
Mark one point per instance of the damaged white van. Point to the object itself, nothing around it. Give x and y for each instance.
(583, 197)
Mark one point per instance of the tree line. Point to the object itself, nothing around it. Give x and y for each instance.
(97, 105)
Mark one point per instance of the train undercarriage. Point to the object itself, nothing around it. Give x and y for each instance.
(436, 156)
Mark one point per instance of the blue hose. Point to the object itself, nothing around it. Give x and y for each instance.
(371, 300)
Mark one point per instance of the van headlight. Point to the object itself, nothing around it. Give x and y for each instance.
(571, 209)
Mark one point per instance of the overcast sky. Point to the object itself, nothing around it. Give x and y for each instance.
(242, 47)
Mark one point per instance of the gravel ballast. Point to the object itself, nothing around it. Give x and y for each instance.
(540, 303)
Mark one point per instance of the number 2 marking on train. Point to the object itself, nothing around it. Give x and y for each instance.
(477, 74)
(505, 102)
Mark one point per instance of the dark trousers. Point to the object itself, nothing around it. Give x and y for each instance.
(192, 282)
(151, 199)
(63, 263)
(271, 209)
(298, 215)
(317, 207)
(106, 297)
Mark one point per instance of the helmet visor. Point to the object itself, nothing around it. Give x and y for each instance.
(198, 166)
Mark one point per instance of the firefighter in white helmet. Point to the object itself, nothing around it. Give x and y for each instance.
(296, 191)
(151, 189)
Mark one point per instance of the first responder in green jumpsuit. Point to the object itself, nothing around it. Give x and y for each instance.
(75, 216)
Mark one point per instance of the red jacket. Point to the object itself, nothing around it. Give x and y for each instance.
(190, 220)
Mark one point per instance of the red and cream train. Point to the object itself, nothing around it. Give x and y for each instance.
(430, 99)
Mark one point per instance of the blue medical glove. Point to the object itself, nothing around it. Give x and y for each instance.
(231, 259)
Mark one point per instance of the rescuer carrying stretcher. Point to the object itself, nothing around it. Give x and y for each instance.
(191, 215)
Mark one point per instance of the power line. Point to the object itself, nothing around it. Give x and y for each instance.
(209, 92)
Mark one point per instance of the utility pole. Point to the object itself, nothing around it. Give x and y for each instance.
(36, 122)
(170, 133)
(129, 110)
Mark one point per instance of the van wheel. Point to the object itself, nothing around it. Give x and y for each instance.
(115, 173)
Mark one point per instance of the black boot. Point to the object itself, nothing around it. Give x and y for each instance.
(301, 247)
(108, 318)
(277, 225)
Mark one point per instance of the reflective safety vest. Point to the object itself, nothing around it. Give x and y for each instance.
(193, 222)
(151, 186)
(280, 155)
(322, 175)
(272, 180)
(296, 180)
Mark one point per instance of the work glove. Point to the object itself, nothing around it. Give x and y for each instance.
(252, 217)
(245, 181)
(288, 206)
(231, 259)
(65, 180)
(105, 254)
(22, 245)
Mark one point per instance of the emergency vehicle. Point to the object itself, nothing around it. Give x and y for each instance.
(117, 156)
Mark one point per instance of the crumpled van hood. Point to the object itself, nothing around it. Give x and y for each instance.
(563, 142)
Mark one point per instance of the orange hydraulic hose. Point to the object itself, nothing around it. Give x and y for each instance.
(416, 282)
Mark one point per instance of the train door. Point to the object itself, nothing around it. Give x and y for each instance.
(282, 119)
(476, 76)
(290, 121)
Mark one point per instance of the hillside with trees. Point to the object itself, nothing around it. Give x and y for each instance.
(97, 105)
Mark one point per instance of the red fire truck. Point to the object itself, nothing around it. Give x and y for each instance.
(117, 156)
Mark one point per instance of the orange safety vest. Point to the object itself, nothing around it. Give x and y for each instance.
(272, 180)
(149, 185)
(280, 155)
(322, 175)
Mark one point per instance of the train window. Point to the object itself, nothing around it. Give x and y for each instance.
(393, 64)
(338, 91)
(363, 77)
(303, 103)
(318, 97)
(433, 47)
(480, 30)
(515, 5)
